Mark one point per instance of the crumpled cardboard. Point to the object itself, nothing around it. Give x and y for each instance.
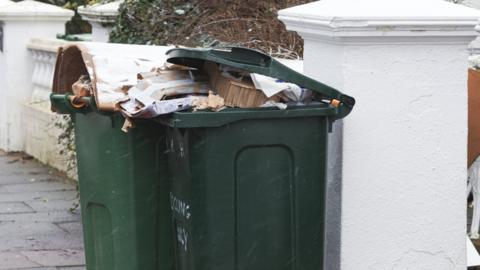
(82, 87)
(236, 92)
(473, 115)
(212, 102)
(135, 76)
(113, 68)
(160, 107)
(149, 97)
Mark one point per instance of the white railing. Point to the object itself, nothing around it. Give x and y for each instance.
(41, 134)
(44, 54)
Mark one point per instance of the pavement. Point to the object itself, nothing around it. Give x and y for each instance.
(39, 230)
(40, 225)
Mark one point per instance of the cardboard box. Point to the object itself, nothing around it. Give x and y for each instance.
(241, 94)
(473, 115)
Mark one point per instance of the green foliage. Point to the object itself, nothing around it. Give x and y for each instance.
(66, 139)
(76, 25)
(208, 23)
(150, 22)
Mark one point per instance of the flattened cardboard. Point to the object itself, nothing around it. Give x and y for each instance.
(473, 115)
(111, 67)
(236, 94)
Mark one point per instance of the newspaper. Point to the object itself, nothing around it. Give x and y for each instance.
(271, 86)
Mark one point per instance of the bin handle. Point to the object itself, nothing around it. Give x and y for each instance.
(78, 102)
(69, 103)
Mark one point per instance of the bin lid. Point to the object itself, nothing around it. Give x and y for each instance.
(254, 61)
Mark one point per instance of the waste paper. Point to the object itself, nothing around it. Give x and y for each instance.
(138, 82)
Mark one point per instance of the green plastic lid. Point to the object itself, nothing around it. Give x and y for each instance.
(254, 61)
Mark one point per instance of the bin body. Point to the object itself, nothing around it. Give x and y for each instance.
(123, 194)
(249, 195)
(245, 188)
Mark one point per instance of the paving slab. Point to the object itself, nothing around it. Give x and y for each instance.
(24, 178)
(43, 242)
(56, 268)
(39, 268)
(9, 166)
(39, 196)
(20, 229)
(46, 205)
(38, 228)
(34, 186)
(15, 260)
(15, 208)
(63, 257)
(71, 227)
(51, 216)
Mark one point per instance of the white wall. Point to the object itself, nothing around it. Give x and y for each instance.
(404, 145)
(3, 107)
(17, 73)
(404, 153)
(21, 21)
(100, 32)
(39, 122)
(102, 18)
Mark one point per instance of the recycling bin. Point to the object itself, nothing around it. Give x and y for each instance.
(248, 185)
(123, 190)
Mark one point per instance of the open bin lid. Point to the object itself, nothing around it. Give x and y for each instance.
(254, 61)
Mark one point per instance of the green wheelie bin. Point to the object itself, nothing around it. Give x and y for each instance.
(248, 185)
(123, 190)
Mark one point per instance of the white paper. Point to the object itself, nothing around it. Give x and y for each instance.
(146, 100)
(473, 259)
(112, 67)
(271, 86)
(160, 107)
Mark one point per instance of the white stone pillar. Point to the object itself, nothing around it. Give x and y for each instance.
(3, 108)
(101, 17)
(405, 143)
(20, 22)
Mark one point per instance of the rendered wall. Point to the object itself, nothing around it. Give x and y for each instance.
(403, 148)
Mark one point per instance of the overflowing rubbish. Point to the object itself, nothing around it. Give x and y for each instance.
(81, 88)
(174, 88)
(235, 87)
(212, 102)
(142, 84)
(216, 115)
(163, 91)
(111, 68)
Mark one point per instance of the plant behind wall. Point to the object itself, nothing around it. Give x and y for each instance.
(208, 23)
(66, 139)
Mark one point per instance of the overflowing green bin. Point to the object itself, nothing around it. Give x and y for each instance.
(248, 185)
(123, 191)
(237, 189)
